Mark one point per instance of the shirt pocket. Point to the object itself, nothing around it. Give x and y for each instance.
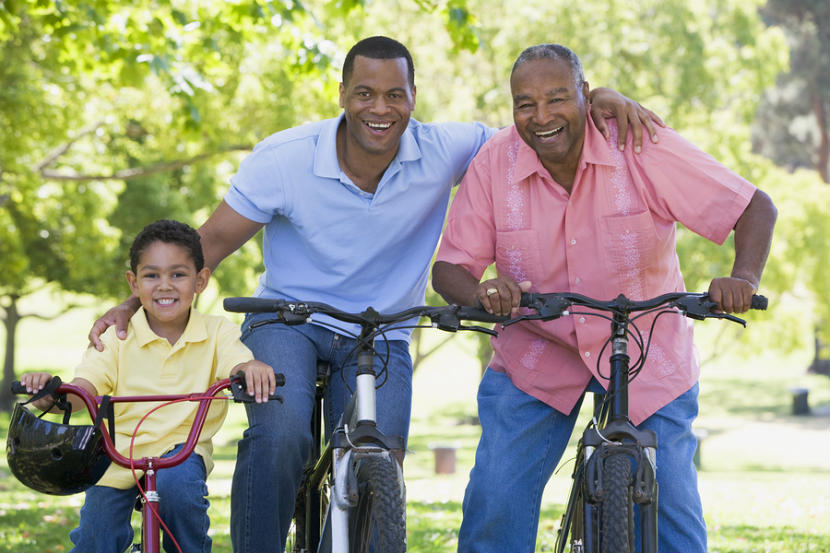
(630, 247)
(518, 254)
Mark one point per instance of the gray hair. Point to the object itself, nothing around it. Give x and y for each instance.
(552, 52)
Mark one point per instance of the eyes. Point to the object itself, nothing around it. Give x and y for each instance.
(394, 96)
(527, 105)
(152, 275)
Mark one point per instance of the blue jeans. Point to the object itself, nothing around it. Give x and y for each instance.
(105, 517)
(277, 443)
(521, 443)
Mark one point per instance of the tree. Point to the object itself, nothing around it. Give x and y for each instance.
(108, 110)
(114, 114)
(798, 107)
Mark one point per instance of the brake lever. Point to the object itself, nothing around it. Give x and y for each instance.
(475, 328)
(547, 308)
(729, 317)
(700, 307)
(520, 318)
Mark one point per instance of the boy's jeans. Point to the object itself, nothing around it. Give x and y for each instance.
(105, 517)
(277, 443)
(523, 440)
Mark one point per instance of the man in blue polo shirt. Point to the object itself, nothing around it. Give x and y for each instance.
(352, 209)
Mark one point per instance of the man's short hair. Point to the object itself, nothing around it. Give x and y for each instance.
(552, 52)
(170, 232)
(378, 48)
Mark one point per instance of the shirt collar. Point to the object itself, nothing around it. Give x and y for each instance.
(325, 153)
(595, 150)
(195, 331)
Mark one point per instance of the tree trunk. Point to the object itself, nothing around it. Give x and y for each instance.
(824, 141)
(10, 321)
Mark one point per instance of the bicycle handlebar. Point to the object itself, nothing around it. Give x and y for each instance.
(236, 383)
(548, 306)
(446, 317)
(694, 305)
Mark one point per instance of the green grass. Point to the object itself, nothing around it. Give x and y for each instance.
(765, 476)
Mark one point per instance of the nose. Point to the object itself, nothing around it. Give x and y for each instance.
(165, 283)
(543, 114)
(379, 104)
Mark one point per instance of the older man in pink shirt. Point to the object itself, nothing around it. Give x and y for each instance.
(558, 207)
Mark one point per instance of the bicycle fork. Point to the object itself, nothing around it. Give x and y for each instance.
(356, 437)
(619, 437)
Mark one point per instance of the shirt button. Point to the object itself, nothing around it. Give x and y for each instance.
(582, 320)
(587, 354)
(577, 280)
(573, 241)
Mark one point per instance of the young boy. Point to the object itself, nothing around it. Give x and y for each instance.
(170, 349)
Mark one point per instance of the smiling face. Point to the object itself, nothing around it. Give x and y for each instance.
(549, 110)
(166, 280)
(377, 101)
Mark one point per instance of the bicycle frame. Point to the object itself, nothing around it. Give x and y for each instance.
(150, 498)
(355, 435)
(356, 438)
(612, 433)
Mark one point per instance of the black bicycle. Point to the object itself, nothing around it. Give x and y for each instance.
(616, 463)
(352, 497)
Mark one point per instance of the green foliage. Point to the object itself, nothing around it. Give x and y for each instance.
(113, 114)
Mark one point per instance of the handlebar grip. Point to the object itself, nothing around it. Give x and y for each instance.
(759, 302)
(280, 378)
(18, 388)
(252, 305)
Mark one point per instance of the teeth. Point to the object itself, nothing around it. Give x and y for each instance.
(166, 301)
(379, 126)
(548, 134)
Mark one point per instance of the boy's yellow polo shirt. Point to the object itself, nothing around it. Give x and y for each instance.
(147, 364)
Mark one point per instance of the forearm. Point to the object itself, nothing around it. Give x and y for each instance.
(454, 283)
(223, 233)
(753, 236)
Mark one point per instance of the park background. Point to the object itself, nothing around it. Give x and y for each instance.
(114, 114)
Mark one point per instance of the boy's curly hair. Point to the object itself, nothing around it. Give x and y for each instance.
(170, 232)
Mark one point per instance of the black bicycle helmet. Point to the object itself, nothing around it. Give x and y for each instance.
(54, 458)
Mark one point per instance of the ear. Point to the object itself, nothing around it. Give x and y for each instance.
(202, 278)
(342, 96)
(132, 280)
(586, 90)
(414, 90)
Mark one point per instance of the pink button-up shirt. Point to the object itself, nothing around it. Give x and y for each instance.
(614, 233)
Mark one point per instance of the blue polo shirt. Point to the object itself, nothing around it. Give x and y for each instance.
(327, 240)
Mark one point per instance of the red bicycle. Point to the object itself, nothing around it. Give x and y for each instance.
(60, 459)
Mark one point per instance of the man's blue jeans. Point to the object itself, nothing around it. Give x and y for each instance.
(276, 445)
(523, 440)
(105, 517)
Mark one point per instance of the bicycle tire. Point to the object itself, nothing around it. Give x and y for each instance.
(378, 521)
(616, 533)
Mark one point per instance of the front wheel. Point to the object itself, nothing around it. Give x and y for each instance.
(617, 507)
(378, 522)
